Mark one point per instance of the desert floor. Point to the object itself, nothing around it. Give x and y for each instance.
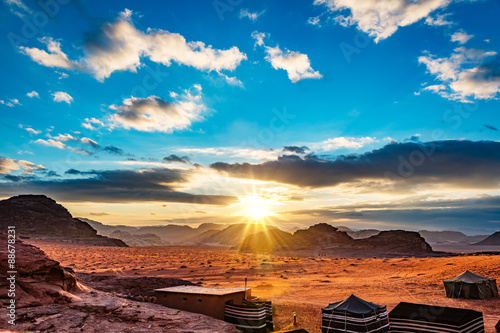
(295, 282)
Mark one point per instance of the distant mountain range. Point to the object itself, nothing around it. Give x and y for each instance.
(450, 237)
(41, 217)
(169, 234)
(37, 216)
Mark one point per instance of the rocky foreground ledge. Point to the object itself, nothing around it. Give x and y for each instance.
(49, 298)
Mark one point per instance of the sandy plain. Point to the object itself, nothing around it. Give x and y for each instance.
(301, 282)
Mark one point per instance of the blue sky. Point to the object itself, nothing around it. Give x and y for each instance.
(162, 105)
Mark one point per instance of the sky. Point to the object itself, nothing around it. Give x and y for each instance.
(367, 114)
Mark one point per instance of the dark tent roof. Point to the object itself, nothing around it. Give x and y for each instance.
(444, 315)
(498, 326)
(354, 304)
(469, 277)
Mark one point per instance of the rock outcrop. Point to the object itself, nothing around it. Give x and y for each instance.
(49, 298)
(37, 216)
(39, 280)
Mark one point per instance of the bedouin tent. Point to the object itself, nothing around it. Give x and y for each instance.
(470, 285)
(498, 327)
(354, 315)
(410, 317)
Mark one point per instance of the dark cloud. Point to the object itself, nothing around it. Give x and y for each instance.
(116, 186)
(460, 163)
(295, 149)
(493, 128)
(174, 158)
(414, 214)
(113, 150)
(99, 214)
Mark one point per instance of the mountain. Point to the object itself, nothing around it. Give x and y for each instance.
(395, 241)
(164, 234)
(326, 237)
(231, 235)
(38, 216)
(450, 237)
(268, 241)
(51, 298)
(138, 240)
(493, 239)
(321, 234)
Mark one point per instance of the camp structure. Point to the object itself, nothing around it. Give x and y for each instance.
(413, 318)
(470, 285)
(354, 315)
(204, 300)
(498, 327)
(234, 305)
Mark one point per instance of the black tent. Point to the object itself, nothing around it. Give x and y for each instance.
(354, 315)
(416, 318)
(470, 285)
(498, 327)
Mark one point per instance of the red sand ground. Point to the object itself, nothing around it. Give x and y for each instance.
(295, 282)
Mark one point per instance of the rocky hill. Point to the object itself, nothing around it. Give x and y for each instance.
(37, 216)
(394, 241)
(325, 237)
(49, 298)
(493, 239)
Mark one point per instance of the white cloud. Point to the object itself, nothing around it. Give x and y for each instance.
(90, 122)
(381, 18)
(18, 8)
(466, 73)
(438, 21)
(33, 94)
(68, 137)
(61, 96)
(344, 142)
(461, 36)
(60, 145)
(259, 37)
(64, 137)
(7, 165)
(88, 126)
(11, 103)
(252, 16)
(296, 64)
(52, 143)
(314, 21)
(119, 46)
(235, 152)
(54, 58)
(154, 114)
(32, 131)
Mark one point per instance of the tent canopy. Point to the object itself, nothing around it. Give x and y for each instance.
(469, 277)
(353, 304)
(438, 314)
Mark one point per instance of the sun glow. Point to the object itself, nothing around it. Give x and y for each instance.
(255, 206)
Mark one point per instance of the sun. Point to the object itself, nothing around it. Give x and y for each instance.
(255, 206)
